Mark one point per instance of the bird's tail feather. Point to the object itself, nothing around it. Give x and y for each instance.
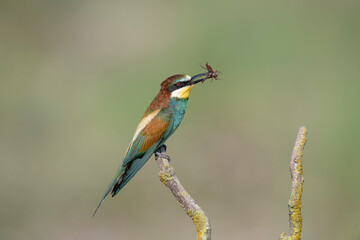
(129, 173)
(125, 173)
(118, 178)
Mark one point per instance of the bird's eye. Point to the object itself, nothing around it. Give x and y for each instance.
(179, 84)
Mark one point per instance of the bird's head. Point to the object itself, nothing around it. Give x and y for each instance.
(180, 85)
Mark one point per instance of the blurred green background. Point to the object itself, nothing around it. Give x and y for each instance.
(76, 77)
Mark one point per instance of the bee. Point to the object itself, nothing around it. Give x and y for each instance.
(213, 74)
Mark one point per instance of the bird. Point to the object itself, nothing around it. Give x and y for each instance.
(159, 122)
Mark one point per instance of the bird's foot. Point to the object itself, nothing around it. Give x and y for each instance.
(162, 148)
(161, 152)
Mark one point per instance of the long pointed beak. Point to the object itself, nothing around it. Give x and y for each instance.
(198, 78)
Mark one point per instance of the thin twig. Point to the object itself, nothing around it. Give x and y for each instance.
(194, 211)
(297, 180)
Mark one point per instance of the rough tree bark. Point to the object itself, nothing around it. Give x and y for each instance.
(197, 215)
(297, 180)
(194, 211)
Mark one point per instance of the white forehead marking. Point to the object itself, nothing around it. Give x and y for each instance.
(187, 77)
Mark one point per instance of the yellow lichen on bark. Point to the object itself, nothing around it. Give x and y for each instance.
(297, 180)
(169, 179)
(164, 177)
(199, 220)
(167, 175)
(284, 236)
(295, 212)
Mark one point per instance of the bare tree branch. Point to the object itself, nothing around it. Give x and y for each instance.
(194, 211)
(297, 180)
(197, 215)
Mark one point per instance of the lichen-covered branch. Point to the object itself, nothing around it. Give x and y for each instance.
(297, 180)
(194, 211)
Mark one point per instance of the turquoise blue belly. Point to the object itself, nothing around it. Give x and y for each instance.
(179, 106)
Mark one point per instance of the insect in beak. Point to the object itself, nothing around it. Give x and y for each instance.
(210, 74)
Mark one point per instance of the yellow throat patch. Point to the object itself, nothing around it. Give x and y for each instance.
(182, 92)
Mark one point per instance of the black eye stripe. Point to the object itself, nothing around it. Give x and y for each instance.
(177, 86)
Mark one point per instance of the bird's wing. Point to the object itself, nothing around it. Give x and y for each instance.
(150, 130)
(147, 138)
(150, 133)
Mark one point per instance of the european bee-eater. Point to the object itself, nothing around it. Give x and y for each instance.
(159, 122)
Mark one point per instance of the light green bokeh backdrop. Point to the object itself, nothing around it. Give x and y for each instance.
(76, 77)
